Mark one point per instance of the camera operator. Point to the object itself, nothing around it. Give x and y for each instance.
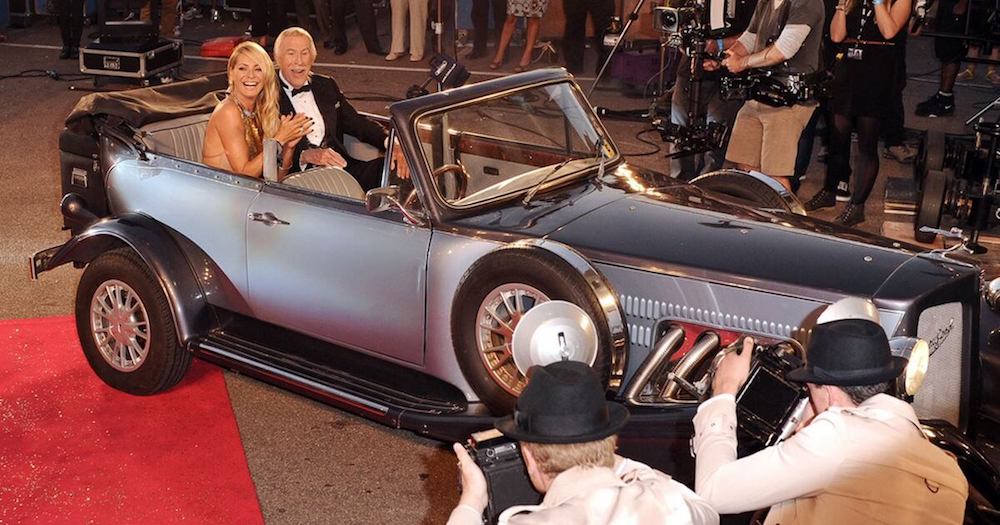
(784, 33)
(858, 457)
(717, 109)
(568, 433)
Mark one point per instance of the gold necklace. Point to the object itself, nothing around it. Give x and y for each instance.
(251, 128)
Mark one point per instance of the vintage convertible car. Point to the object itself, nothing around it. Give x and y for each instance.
(406, 305)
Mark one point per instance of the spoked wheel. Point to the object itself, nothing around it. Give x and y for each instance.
(499, 314)
(126, 327)
(750, 189)
(491, 302)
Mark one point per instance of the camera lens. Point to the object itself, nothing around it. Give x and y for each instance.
(669, 19)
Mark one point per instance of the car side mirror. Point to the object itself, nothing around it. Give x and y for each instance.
(387, 198)
(381, 199)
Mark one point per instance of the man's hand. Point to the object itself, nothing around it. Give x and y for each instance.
(473, 481)
(322, 157)
(735, 63)
(399, 161)
(733, 370)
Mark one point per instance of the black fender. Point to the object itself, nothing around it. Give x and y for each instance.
(158, 249)
(605, 294)
(981, 474)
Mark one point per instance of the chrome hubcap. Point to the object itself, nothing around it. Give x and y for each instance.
(498, 316)
(120, 325)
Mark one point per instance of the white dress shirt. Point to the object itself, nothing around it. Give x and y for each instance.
(305, 103)
(630, 494)
(868, 464)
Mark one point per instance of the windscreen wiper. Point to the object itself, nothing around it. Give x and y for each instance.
(538, 186)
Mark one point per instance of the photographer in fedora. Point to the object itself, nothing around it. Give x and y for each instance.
(858, 457)
(568, 434)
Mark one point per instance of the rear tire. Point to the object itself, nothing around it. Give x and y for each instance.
(528, 277)
(126, 327)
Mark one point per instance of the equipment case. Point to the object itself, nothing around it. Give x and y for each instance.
(140, 60)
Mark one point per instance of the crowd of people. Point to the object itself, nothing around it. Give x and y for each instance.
(858, 456)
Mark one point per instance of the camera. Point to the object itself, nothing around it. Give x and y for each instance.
(672, 20)
(769, 407)
(507, 482)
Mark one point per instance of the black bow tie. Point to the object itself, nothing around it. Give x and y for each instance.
(303, 89)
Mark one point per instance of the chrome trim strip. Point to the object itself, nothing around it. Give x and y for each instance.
(253, 363)
(664, 347)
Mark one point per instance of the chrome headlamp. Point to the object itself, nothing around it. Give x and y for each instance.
(917, 353)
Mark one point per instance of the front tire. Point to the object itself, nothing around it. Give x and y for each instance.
(126, 327)
(494, 295)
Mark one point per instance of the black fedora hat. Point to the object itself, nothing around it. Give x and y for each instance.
(563, 403)
(848, 352)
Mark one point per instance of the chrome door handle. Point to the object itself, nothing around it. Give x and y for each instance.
(267, 218)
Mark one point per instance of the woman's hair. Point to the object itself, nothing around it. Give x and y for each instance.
(553, 459)
(267, 100)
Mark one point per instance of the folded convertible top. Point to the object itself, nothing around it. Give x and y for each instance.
(143, 106)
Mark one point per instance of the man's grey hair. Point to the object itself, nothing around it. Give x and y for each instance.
(293, 31)
(860, 394)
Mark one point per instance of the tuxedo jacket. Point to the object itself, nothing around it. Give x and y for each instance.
(339, 117)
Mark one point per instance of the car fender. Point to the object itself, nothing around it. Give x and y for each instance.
(978, 470)
(605, 294)
(161, 253)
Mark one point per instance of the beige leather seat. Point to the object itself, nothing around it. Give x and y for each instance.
(329, 180)
(180, 137)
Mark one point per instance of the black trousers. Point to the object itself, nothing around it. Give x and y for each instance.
(481, 21)
(575, 37)
(366, 23)
(267, 17)
(70, 17)
(368, 173)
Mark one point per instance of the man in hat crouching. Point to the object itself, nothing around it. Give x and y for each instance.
(860, 456)
(568, 433)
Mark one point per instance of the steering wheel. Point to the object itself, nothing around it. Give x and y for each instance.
(438, 174)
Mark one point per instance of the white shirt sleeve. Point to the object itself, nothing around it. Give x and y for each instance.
(465, 515)
(749, 41)
(791, 39)
(800, 466)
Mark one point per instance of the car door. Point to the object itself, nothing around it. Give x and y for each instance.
(325, 266)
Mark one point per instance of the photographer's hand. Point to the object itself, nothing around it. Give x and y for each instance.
(733, 369)
(473, 481)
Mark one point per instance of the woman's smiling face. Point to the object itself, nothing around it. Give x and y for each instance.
(247, 78)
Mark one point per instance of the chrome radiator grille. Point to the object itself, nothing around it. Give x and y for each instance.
(941, 395)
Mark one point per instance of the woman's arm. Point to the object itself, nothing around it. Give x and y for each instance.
(891, 19)
(838, 24)
(230, 128)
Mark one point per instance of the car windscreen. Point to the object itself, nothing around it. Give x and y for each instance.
(510, 143)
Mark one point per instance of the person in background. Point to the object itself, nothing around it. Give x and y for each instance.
(864, 84)
(568, 433)
(481, 10)
(367, 26)
(70, 17)
(532, 11)
(417, 10)
(168, 17)
(238, 126)
(267, 20)
(717, 109)
(859, 455)
(575, 35)
(949, 51)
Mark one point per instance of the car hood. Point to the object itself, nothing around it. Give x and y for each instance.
(682, 230)
(646, 220)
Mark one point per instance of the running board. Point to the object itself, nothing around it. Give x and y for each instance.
(385, 392)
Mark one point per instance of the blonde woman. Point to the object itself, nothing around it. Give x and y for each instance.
(249, 114)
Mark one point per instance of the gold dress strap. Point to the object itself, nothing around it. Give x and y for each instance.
(252, 133)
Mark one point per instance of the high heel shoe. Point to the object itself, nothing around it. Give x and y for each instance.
(496, 64)
(521, 68)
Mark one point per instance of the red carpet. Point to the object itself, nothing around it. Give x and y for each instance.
(73, 450)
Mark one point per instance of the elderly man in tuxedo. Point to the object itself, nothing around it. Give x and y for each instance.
(319, 97)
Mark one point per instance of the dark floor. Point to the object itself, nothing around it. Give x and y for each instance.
(310, 463)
